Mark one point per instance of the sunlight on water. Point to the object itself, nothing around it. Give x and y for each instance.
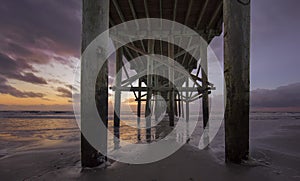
(24, 131)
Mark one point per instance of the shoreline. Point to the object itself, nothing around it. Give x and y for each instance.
(275, 155)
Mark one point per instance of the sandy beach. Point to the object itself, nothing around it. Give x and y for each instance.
(274, 156)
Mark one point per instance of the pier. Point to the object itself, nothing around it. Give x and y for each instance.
(206, 17)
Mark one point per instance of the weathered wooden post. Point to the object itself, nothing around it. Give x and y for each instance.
(236, 70)
(171, 82)
(179, 104)
(149, 92)
(187, 107)
(139, 110)
(119, 57)
(204, 74)
(205, 100)
(175, 105)
(95, 20)
(157, 104)
(187, 103)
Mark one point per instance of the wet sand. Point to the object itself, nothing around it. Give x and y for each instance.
(188, 163)
(275, 155)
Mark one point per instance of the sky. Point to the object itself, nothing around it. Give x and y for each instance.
(40, 47)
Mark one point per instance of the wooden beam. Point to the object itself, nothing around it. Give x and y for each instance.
(143, 89)
(213, 18)
(112, 23)
(135, 17)
(146, 9)
(179, 105)
(122, 17)
(175, 105)
(171, 82)
(127, 75)
(149, 91)
(181, 102)
(117, 107)
(145, 53)
(204, 75)
(205, 101)
(158, 100)
(187, 16)
(187, 50)
(202, 11)
(92, 26)
(160, 9)
(185, 23)
(139, 106)
(132, 9)
(118, 9)
(175, 10)
(187, 104)
(236, 72)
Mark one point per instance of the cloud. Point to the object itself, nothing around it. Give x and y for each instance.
(40, 107)
(40, 32)
(283, 96)
(13, 69)
(63, 92)
(49, 25)
(7, 89)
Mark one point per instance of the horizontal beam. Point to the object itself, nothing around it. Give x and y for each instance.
(158, 100)
(179, 89)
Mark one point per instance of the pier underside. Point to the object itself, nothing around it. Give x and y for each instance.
(206, 18)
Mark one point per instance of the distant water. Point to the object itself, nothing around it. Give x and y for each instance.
(37, 114)
(25, 130)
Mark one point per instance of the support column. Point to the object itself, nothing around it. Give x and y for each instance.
(95, 20)
(204, 75)
(205, 100)
(175, 105)
(236, 70)
(171, 83)
(149, 92)
(182, 100)
(187, 108)
(157, 106)
(139, 111)
(117, 107)
(179, 104)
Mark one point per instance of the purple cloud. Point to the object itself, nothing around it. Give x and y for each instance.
(49, 24)
(39, 32)
(284, 96)
(7, 89)
(17, 70)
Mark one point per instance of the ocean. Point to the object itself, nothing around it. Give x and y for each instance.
(27, 130)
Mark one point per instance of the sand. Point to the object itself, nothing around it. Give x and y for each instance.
(275, 154)
(188, 163)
